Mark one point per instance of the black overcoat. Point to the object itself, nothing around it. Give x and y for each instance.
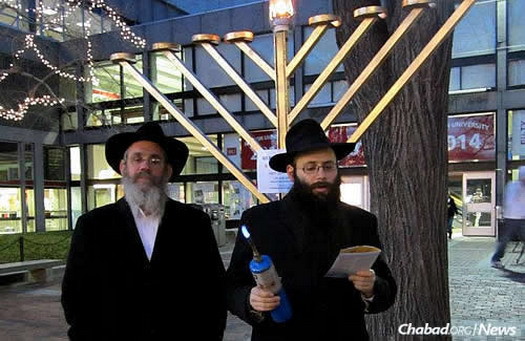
(111, 291)
(303, 249)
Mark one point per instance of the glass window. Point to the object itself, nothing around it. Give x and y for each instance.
(98, 168)
(202, 192)
(76, 205)
(236, 199)
(93, 22)
(323, 97)
(455, 79)
(69, 120)
(478, 76)
(231, 102)
(516, 75)
(200, 160)
(10, 210)
(206, 165)
(161, 114)
(67, 88)
(75, 163)
(13, 13)
(322, 53)
(476, 32)
(106, 85)
(263, 45)
(204, 107)
(131, 88)
(74, 23)
(55, 203)
(472, 77)
(9, 170)
(263, 94)
(209, 72)
(340, 88)
(516, 131)
(28, 160)
(176, 191)
(232, 149)
(54, 163)
(187, 54)
(291, 97)
(101, 194)
(30, 202)
(164, 74)
(516, 25)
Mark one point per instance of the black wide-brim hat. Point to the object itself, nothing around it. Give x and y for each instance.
(307, 135)
(176, 151)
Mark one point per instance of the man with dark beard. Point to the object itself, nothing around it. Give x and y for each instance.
(303, 234)
(127, 271)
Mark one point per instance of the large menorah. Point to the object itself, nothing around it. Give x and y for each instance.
(281, 13)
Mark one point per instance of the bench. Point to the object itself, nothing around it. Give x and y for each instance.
(37, 268)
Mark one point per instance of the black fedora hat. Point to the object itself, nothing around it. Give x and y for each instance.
(176, 151)
(307, 135)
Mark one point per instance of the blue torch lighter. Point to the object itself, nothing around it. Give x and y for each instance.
(267, 278)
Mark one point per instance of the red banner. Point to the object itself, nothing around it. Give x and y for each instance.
(471, 138)
(341, 134)
(267, 139)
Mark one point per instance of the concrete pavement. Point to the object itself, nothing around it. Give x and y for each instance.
(480, 296)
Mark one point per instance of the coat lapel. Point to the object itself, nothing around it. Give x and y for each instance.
(131, 231)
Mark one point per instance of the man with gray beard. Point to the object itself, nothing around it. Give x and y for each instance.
(303, 234)
(127, 271)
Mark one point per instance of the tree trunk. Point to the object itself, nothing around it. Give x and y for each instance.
(406, 154)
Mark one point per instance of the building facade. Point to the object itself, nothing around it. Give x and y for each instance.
(53, 166)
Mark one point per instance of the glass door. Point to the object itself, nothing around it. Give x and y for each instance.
(479, 204)
(355, 191)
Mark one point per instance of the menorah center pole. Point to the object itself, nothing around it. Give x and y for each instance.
(282, 92)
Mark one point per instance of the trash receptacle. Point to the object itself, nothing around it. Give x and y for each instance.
(218, 221)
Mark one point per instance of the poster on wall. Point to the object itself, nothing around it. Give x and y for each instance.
(471, 138)
(518, 134)
(268, 180)
(267, 139)
(341, 134)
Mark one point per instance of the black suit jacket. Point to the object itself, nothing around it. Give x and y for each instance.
(111, 291)
(303, 249)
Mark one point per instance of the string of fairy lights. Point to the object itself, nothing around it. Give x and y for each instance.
(63, 11)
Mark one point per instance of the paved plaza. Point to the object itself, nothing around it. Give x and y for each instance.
(479, 294)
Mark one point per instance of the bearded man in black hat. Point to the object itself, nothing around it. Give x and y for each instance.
(303, 234)
(127, 271)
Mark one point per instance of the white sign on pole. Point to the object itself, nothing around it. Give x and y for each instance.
(268, 180)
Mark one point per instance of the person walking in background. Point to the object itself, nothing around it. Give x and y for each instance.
(127, 275)
(303, 234)
(452, 211)
(514, 217)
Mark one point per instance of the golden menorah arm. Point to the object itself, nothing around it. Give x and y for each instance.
(372, 66)
(212, 99)
(321, 23)
(234, 75)
(432, 45)
(257, 59)
(363, 27)
(192, 129)
(308, 45)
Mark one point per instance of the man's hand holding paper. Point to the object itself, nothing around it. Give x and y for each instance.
(364, 282)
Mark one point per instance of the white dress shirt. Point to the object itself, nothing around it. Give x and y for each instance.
(147, 227)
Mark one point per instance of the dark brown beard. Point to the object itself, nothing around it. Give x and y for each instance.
(305, 192)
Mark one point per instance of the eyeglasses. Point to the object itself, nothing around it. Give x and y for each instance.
(312, 168)
(153, 161)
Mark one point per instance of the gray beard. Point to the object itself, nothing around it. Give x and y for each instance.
(151, 201)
